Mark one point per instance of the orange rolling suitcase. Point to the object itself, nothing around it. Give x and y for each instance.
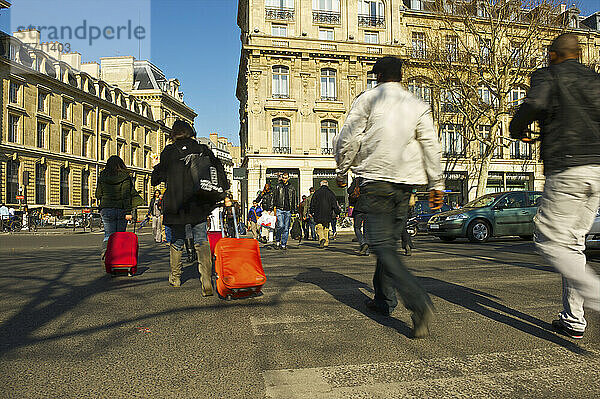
(238, 267)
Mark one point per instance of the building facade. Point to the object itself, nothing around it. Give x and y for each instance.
(229, 156)
(304, 61)
(61, 122)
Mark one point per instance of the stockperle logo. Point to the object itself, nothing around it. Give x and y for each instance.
(89, 32)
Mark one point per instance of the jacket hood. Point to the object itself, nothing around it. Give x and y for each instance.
(114, 179)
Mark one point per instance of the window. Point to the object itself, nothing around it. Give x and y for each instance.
(87, 112)
(450, 100)
(104, 122)
(280, 3)
(120, 128)
(452, 47)
(482, 9)
(484, 131)
(485, 51)
(103, 149)
(418, 45)
(85, 140)
(146, 136)
(12, 52)
(121, 150)
(372, 37)
(326, 5)
(371, 13)
(513, 200)
(414, 4)
(14, 92)
(280, 87)
(146, 158)
(12, 181)
(326, 11)
(64, 140)
(85, 188)
(64, 186)
(325, 33)
(66, 110)
(42, 101)
(133, 156)
(41, 134)
(421, 90)
(371, 80)
(281, 136)
(279, 30)
(517, 95)
(487, 97)
(452, 140)
(328, 87)
(328, 131)
(40, 184)
(520, 150)
(13, 128)
(516, 55)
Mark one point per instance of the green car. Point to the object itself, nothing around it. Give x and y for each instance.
(493, 215)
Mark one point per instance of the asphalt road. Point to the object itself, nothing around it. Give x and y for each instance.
(69, 331)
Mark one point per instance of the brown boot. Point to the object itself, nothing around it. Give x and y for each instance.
(175, 275)
(205, 267)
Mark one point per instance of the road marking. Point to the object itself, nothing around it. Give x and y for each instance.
(478, 375)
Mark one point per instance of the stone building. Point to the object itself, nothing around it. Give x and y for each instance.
(61, 121)
(304, 61)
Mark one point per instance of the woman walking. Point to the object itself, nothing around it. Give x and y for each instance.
(117, 197)
(182, 205)
(155, 211)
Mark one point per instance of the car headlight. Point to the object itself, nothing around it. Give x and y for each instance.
(460, 216)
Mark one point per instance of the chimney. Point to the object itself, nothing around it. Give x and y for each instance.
(28, 36)
(73, 59)
(214, 137)
(91, 68)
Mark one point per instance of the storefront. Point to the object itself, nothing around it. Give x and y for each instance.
(330, 176)
(456, 188)
(509, 181)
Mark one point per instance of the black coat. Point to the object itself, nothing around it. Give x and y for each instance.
(181, 205)
(279, 196)
(324, 205)
(265, 199)
(565, 98)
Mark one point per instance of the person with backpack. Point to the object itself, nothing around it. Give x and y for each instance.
(254, 214)
(155, 211)
(359, 216)
(117, 197)
(195, 181)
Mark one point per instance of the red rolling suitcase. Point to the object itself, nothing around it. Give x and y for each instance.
(121, 253)
(238, 267)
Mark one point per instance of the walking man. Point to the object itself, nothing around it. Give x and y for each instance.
(323, 206)
(254, 214)
(285, 201)
(565, 99)
(359, 216)
(389, 141)
(308, 219)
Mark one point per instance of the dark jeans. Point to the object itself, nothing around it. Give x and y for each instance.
(309, 227)
(334, 225)
(178, 232)
(360, 225)
(388, 208)
(113, 220)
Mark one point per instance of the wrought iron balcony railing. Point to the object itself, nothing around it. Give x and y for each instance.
(327, 151)
(280, 96)
(420, 54)
(282, 150)
(327, 17)
(284, 14)
(372, 21)
(328, 98)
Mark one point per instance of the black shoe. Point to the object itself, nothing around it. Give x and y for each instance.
(421, 322)
(364, 250)
(372, 306)
(322, 244)
(561, 328)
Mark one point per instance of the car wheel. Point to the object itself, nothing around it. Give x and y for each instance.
(447, 239)
(479, 231)
(527, 238)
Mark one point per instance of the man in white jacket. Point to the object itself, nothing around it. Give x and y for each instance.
(389, 141)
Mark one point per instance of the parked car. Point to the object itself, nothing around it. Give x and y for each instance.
(592, 239)
(423, 213)
(493, 215)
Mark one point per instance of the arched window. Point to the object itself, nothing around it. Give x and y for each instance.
(328, 86)
(280, 86)
(328, 132)
(40, 184)
(107, 95)
(281, 136)
(371, 13)
(421, 90)
(12, 181)
(64, 186)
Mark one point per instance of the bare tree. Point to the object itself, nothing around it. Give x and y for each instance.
(481, 62)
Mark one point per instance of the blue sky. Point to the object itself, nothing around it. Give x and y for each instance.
(196, 41)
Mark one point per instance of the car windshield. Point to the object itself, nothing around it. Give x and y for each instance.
(482, 202)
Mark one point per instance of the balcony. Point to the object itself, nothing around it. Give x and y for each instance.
(280, 96)
(327, 151)
(282, 150)
(281, 14)
(419, 53)
(371, 21)
(374, 50)
(281, 43)
(328, 47)
(328, 98)
(327, 17)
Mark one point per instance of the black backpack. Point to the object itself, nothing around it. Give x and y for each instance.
(208, 175)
